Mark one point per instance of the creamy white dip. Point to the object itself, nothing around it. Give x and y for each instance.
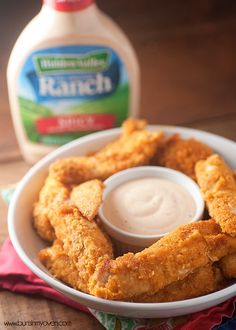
(149, 206)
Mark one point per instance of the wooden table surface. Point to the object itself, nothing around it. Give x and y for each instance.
(187, 56)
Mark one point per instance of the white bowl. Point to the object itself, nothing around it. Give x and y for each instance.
(143, 240)
(27, 243)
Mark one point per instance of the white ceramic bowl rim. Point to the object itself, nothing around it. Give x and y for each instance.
(166, 309)
(150, 171)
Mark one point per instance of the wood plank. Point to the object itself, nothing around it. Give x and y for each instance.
(18, 307)
(224, 126)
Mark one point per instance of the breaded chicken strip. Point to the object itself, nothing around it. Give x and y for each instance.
(135, 147)
(180, 154)
(61, 266)
(218, 186)
(204, 280)
(228, 265)
(80, 243)
(83, 241)
(51, 195)
(170, 259)
(87, 197)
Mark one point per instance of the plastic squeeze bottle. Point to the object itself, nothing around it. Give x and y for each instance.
(72, 71)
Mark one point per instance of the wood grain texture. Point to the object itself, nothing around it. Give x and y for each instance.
(18, 307)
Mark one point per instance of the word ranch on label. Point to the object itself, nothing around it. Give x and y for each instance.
(49, 86)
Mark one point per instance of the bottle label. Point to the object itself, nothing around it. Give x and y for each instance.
(68, 5)
(69, 91)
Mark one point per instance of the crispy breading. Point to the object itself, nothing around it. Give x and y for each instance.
(135, 147)
(223, 207)
(180, 154)
(218, 187)
(130, 125)
(61, 266)
(204, 280)
(51, 195)
(83, 241)
(170, 259)
(88, 197)
(80, 243)
(228, 265)
(214, 175)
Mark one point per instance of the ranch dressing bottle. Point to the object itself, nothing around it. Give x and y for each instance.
(72, 71)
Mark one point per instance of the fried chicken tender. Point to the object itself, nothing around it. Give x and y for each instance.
(86, 194)
(181, 155)
(170, 259)
(81, 240)
(204, 280)
(51, 195)
(61, 266)
(228, 265)
(135, 147)
(218, 187)
(55, 193)
(131, 125)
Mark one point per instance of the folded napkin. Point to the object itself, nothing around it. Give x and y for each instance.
(15, 276)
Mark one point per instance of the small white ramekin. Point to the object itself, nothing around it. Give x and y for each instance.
(125, 241)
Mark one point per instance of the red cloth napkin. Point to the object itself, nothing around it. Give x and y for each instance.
(16, 277)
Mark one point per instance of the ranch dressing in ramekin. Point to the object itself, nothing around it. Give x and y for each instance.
(149, 206)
